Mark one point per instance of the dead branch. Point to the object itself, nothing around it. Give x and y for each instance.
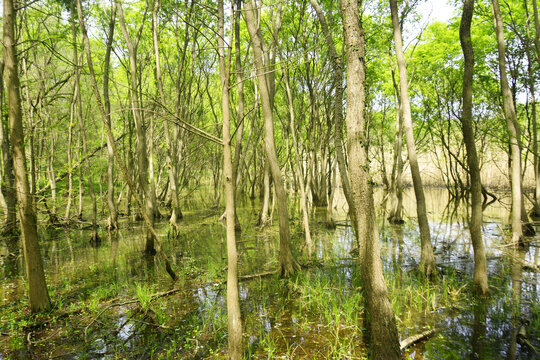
(415, 338)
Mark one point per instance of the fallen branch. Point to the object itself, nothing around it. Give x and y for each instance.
(260, 275)
(415, 338)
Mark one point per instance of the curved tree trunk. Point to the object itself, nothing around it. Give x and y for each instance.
(233, 302)
(287, 263)
(475, 223)
(427, 264)
(382, 323)
(37, 287)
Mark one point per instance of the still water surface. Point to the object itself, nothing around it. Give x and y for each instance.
(504, 326)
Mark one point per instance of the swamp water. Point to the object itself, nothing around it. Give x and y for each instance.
(113, 302)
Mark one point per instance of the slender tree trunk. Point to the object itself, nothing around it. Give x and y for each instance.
(37, 287)
(80, 155)
(303, 196)
(94, 238)
(396, 188)
(384, 335)
(112, 221)
(287, 263)
(140, 201)
(338, 108)
(240, 110)
(142, 155)
(531, 83)
(233, 302)
(475, 223)
(427, 265)
(514, 132)
(52, 181)
(8, 179)
(176, 213)
(537, 30)
(82, 131)
(31, 131)
(70, 158)
(263, 216)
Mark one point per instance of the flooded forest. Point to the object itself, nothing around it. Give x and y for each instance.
(262, 179)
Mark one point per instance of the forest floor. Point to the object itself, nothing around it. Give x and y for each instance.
(112, 302)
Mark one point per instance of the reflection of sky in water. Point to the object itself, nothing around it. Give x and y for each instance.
(400, 247)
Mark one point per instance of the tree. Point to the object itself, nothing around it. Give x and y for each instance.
(475, 222)
(142, 155)
(37, 287)
(514, 132)
(8, 180)
(233, 304)
(287, 263)
(382, 324)
(427, 264)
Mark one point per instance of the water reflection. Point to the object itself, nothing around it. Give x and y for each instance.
(498, 329)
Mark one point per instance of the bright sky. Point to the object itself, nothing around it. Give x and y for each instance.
(437, 10)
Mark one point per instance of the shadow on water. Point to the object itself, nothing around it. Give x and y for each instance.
(117, 303)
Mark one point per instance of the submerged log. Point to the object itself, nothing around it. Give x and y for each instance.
(415, 338)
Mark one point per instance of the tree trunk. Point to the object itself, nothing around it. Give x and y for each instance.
(300, 176)
(176, 213)
(142, 156)
(287, 263)
(338, 108)
(70, 156)
(8, 179)
(514, 132)
(382, 324)
(82, 133)
(37, 288)
(427, 265)
(240, 110)
(475, 224)
(233, 302)
(263, 216)
(112, 221)
(396, 188)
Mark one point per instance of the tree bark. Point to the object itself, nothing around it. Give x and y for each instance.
(396, 188)
(382, 324)
(37, 287)
(514, 132)
(8, 179)
(112, 221)
(240, 109)
(475, 223)
(233, 303)
(287, 263)
(427, 265)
